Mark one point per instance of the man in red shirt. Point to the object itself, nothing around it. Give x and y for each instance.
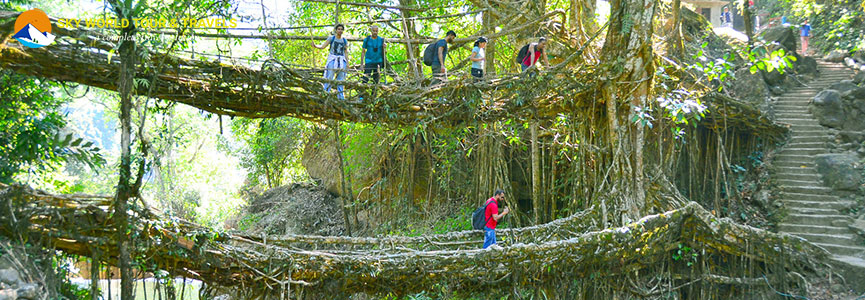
(492, 215)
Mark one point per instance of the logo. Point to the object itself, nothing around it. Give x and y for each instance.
(33, 29)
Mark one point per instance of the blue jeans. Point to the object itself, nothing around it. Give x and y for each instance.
(489, 237)
(330, 70)
(524, 67)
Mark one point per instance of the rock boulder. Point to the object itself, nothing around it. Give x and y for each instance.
(840, 171)
(843, 86)
(806, 65)
(749, 87)
(10, 277)
(786, 37)
(828, 108)
(835, 56)
(859, 78)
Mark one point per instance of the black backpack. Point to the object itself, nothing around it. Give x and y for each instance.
(429, 53)
(522, 54)
(479, 219)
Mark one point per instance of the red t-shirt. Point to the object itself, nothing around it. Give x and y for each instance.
(528, 60)
(492, 209)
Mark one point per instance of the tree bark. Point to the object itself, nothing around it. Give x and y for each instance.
(627, 58)
(676, 46)
(537, 205)
(749, 24)
(125, 85)
(490, 63)
(346, 190)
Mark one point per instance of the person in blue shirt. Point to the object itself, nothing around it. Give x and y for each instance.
(441, 52)
(373, 55)
(727, 17)
(337, 59)
(478, 58)
(805, 36)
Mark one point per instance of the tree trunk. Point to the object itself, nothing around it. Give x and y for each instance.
(627, 58)
(346, 190)
(409, 32)
(537, 205)
(124, 186)
(749, 24)
(676, 46)
(490, 63)
(94, 276)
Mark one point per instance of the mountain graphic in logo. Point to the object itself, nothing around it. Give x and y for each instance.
(33, 29)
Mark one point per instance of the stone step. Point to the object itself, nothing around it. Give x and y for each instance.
(798, 120)
(813, 200)
(813, 210)
(841, 249)
(795, 205)
(811, 133)
(816, 190)
(797, 183)
(798, 123)
(853, 270)
(815, 219)
(800, 145)
(815, 138)
(794, 164)
(793, 170)
(795, 127)
(785, 227)
(836, 239)
(794, 157)
(791, 106)
(812, 177)
(802, 151)
(792, 115)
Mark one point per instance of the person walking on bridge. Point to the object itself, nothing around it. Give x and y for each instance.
(493, 216)
(440, 53)
(534, 51)
(478, 58)
(373, 55)
(337, 59)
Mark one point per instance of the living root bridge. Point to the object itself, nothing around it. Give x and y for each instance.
(562, 256)
(79, 55)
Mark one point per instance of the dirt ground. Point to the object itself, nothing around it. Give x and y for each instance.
(299, 208)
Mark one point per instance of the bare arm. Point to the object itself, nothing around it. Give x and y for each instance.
(544, 57)
(501, 215)
(441, 58)
(363, 52)
(474, 57)
(531, 55)
(326, 42)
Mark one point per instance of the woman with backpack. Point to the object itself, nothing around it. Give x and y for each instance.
(478, 58)
(337, 59)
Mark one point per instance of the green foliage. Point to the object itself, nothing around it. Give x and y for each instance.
(761, 59)
(685, 254)
(836, 24)
(31, 129)
(273, 149)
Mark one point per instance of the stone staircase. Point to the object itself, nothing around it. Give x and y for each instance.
(814, 213)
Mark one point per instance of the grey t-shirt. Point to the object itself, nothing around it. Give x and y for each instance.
(337, 46)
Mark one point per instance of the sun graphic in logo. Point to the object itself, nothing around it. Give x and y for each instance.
(33, 29)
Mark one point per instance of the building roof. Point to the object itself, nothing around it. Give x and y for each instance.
(706, 2)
